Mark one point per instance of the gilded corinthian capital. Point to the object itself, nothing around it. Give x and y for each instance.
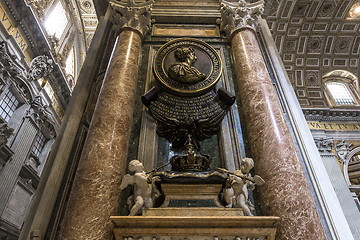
(129, 14)
(239, 14)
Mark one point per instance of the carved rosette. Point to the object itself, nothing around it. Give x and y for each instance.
(39, 67)
(134, 16)
(240, 14)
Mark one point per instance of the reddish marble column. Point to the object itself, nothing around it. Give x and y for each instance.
(95, 194)
(286, 193)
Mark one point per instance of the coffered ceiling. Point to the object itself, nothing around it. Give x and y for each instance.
(314, 37)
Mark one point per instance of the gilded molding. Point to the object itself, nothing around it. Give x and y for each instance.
(133, 16)
(239, 15)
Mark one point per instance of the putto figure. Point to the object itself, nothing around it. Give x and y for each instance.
(184, 72)
(145, 191)
(239, 183)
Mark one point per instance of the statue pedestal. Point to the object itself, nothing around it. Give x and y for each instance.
(194, 227)
(207, 194)
(192, 210)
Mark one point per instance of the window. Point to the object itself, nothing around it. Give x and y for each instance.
(70, 64)
(8, 105)
(39, 144)
(355, 11)
(56, 21)
(341, 89)
(340, 93)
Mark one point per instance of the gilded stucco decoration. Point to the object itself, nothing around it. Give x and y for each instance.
(89, 19)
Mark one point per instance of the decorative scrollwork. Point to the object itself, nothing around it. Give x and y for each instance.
(39, 67)
(342, 149)
(235, 15)
(324, 145)
(133, 15)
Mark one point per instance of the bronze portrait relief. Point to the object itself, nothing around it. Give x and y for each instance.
(187, 66)
(183, 71)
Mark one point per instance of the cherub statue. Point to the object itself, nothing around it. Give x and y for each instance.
(145, 191)
(239, 183)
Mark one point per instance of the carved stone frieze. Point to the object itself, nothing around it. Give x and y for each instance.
(132, 15)
(342, 149)
(327, 114)
(236, 15)
(39, 67)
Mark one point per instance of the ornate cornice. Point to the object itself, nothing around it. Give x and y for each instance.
(131, 15)
(238, 15)
(332, 115)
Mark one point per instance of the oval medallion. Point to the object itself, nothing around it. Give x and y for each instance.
(187, 66)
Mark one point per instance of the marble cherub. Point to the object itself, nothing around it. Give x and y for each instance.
(239, 183)
(145, 191)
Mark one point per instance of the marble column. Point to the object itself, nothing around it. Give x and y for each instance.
(95, 195)
(286, 193)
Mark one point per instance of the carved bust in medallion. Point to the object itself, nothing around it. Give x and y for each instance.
(183, 71)
(187, 67)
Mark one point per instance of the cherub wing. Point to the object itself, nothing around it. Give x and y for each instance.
(127, 180)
